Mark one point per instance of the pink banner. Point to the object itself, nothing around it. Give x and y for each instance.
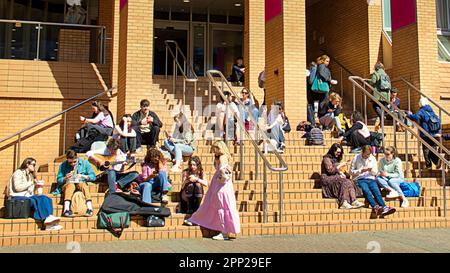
(273, 9)
(403, 13)
(123, 3)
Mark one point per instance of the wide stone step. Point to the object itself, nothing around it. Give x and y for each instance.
(258, 229)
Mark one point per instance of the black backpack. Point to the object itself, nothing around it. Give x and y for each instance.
(315, 137)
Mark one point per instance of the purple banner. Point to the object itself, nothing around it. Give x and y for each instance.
(403, 13)
(273, 9)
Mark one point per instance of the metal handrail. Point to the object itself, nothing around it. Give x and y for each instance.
(39, 24)
(444, 161)
(177, 65)
(64, 112)
(283, 166)
(48, 23)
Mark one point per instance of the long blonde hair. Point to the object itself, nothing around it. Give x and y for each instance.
(335, 96)
(223, 150)
(322, 59)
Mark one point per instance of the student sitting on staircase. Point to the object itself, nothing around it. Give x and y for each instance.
(358, 135)
(73, 175)
(22, 186)
(329, 113)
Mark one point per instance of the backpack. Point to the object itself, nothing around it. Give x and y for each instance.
(410, 189)
(315, 137)
(434, 124)
(384, 84)
(78, 203)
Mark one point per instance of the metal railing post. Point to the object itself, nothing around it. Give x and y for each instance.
(19, 140)
(419, 154)
(281, 195)
(443, 188)
(256, 153)
(174, 83)
(406, 153)
(382, 128)
(65, 132)
(38, 42)
(167, 59)
(210, 94)
(265, 191)
(354, 97)
(241, 151)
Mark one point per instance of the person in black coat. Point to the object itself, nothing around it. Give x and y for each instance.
(148, 126)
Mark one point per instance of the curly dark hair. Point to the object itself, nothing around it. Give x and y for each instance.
(154, 157)
(197, 161)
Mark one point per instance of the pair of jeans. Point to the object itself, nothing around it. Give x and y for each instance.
(40, 204)
(122, 179)
(250, 109)
(370, 190)
(149, 138)
(277, 133)
(178, 150)
(146, 188)
(386, 182)
(128, 144)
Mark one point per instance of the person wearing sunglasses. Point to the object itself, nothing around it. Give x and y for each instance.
(391, 175)
(250, 108)
(22, 186)
(73, 175)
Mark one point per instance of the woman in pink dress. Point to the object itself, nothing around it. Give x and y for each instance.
(218, 210)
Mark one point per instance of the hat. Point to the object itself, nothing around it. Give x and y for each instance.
(394, 90)
(423, 101)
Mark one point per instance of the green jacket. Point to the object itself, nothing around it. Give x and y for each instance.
(376, 76)
(83, 167)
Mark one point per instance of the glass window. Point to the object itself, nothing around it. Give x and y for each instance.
(442, 14)
(387, 23)
(443, 48)
(227, 47)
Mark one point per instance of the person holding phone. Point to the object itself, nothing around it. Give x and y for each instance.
(364, 171)
(193, 183)
(329, 113)
(73, 175)
(334, 181)
(148, 126)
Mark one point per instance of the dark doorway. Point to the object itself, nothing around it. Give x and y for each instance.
(161, 35)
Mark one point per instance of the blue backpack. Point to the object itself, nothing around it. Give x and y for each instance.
(434, 124)
(410, 189)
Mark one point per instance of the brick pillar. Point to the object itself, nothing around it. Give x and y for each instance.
(135, 54)
(286, 59)
(254, 45)
(415, 53)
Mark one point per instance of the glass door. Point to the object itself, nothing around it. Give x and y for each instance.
(226, 47)
(168, 31)
(198, 46)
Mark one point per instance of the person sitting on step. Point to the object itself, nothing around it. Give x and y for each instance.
(126, 134)
(391, 175)
(334, 181)
(358, 135)
(364, 170)
(192, 187)
(73, 174)
(22, 186)
(182, 142)
(113, 161)
(329, 113)
(154, 177)
(102, 120)
(251, 108)
(148, 126)
(276, 120)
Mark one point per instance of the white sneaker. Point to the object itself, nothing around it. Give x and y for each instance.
(51, 219)
(54, 227)
(393, 194)
(405, 203)
(346, 205)
(221, 237)
(357, 204)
